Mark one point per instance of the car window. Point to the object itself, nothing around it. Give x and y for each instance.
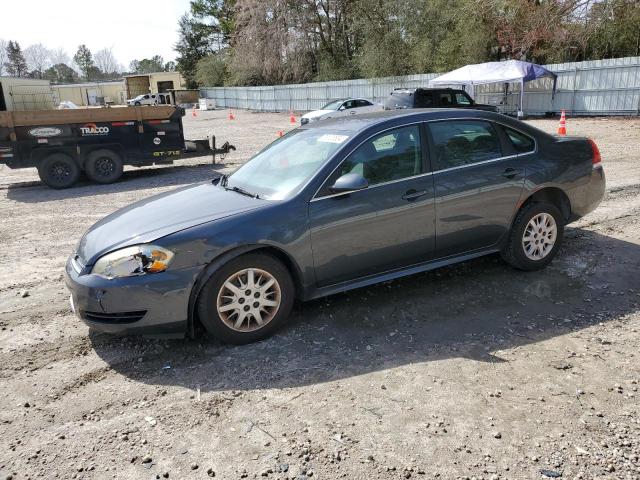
(349, 104)
(146, 97)
(521, 142)
(445, 99)
(461, 99)
(335, 105)
(424, 99)
(398, 100)
(280, 169)
(363, 103)
(463, 142)
(392, 155)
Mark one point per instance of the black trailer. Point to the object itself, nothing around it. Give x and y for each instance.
(62, 144)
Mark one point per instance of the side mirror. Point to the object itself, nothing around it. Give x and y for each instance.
(349, 182)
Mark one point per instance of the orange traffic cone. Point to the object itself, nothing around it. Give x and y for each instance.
(280, 133)
(562, 127)
(231, 117)
(292, 117)
(194, 113)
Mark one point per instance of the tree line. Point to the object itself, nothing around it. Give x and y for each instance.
(39, 62)
(266, 42)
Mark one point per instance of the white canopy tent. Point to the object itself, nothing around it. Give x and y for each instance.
(506, 72)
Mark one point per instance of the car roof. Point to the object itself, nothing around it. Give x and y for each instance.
(356, 124)
(425, 89)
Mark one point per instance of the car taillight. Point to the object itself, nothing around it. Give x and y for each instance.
(596, 159)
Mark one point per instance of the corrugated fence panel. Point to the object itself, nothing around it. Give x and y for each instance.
(596, 87)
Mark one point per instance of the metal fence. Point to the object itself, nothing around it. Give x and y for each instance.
(598, 87)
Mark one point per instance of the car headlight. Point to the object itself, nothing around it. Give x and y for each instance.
(133, 261)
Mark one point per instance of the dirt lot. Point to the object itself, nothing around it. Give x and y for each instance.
(475, 371)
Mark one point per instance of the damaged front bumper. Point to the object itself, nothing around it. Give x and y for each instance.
(145, 304)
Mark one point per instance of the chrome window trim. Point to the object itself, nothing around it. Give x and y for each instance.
(432, 172)
(535, 142)
(315, 197)
(459, 167)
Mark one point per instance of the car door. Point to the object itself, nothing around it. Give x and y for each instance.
(477, 185)
(388, 225)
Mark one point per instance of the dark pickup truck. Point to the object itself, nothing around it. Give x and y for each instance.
(432, 98)
(62, 144)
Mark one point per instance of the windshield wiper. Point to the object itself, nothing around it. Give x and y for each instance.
(243, 192)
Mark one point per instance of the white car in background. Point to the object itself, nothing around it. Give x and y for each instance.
(349, 106)
(147, 99)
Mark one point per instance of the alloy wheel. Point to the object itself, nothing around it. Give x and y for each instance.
(248, 300)
(539, 236)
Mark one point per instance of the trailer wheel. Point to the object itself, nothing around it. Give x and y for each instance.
(59, 171)
(103, 166)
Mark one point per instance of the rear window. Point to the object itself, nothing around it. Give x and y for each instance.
(399, 100)
(521, 142)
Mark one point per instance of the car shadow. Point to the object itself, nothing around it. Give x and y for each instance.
(473, 310)
(142, 179)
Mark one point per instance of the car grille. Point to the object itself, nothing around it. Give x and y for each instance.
(120, 317)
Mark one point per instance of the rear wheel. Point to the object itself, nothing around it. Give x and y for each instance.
(535, 237)
(248, 299)
(103, 166)
(59, 171)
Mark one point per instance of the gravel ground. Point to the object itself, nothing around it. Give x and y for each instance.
(473, 371)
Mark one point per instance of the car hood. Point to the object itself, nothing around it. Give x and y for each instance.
(317, 113)
(161, 215)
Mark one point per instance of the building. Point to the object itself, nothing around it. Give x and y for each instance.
(91, 94)
(160, 82)
(20, 94)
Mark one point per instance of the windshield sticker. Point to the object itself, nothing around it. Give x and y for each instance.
(332, 138)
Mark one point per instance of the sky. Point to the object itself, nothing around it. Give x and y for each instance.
(134, 29)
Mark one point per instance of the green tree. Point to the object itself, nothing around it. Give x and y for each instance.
(193, 45)
(211, 70)
(16, 65)
(219, 16)
(84, 60)
(61, 73)
(148, 65)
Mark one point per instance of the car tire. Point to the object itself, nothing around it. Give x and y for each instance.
(233, 292)
(535, 237)
(137, 104)
(103, 166)
(59, 170)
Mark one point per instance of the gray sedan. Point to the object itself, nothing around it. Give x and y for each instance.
(332, 206)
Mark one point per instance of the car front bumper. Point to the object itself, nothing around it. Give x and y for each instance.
(146, 304)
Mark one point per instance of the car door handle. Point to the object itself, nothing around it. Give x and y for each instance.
(511, 172)
(413, 194)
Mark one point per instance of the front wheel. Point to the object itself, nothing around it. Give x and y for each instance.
(535, 237)
(248, 299)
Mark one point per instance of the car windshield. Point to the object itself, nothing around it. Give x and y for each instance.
(398, 100)
(139, 97)
(335, 105)
(279, 170)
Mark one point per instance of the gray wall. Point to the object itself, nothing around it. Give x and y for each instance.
(599, 87)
